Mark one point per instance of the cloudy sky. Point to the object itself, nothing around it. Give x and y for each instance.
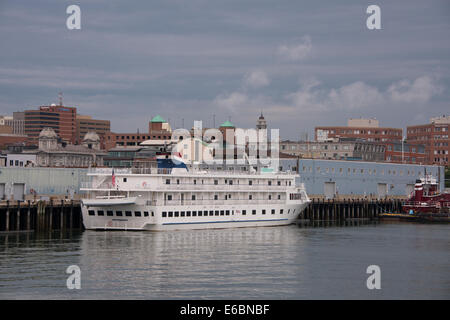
(303, 63)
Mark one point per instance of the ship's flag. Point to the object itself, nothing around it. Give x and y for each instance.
(113, 178)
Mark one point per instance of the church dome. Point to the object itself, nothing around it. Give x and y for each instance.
(48, 133)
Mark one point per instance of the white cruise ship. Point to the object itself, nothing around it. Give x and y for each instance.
(173, 198)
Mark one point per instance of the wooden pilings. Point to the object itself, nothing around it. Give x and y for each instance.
(40, 216)
(348, 209)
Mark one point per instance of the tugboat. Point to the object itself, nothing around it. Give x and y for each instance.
(427, 201)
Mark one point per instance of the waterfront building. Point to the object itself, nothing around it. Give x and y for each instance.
(331, 178)
(403, 152)
(338, 149)
(435, 137)
(366, 129)
(54, 153)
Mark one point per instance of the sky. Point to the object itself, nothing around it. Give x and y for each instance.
(302, 63)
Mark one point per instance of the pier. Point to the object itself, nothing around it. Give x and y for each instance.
(40, 216)
(45, 216)
(348, 209)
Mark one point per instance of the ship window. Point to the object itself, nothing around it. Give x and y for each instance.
(167, 181)
(177, 214)
(146, 213)
(178, 181)
(231, 182)
(289, 182)
(91, 212)
(216, 197)
(216, 182)
(270, 197)
(279, 183)
(281, 211)
(217, 212)
(182, 213)
(193, 197)
(253, 211)
(249, 197)
(194, 213)
(188, 213)
(222, 213)
(170, 214)
(279, 197)
(119, 213)
(195, 181)
(153, 214)
(289, 211)
(211, 213)
(128, 213)
(264, 211)
(273, 211)
(169, 197)
(137, 213)
(100, 213)
(124, 179)
(244, 212)
(164, 214)
(250, 182)
(270, 183)
(227, 212)
(109, 213)
(199, 213)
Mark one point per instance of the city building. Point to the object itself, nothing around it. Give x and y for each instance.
(159, 129)
(366, 129)
(399, 152)
(434, 136)
(338, 149)
(13, 125)
(60, 118)
(53, 152)
(85, 124)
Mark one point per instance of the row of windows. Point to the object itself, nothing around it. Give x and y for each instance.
(210, 213)
(361, 171)
(229, 182)
(119, 213)
(227, 197)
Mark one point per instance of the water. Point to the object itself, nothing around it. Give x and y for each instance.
(289, 262)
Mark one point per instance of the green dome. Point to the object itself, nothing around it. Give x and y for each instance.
(227, 124)
(158, 118)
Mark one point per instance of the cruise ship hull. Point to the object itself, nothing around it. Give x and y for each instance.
(222, 217)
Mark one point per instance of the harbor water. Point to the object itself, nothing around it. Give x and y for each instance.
(288, 262)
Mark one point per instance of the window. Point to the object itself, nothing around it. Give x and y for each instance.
(227, 212)
(253, 211)
(281, 211)
(124, 179)
(249, 197)
(216, 182)
(188, 213)
(137, 214)
(164, 214)
(91, 212)
(200, 213)
(146, 213)
(263, 211)
(222, 212)
(216, 197)
(211, 213)
(128, 213)
(244, 212)
(194, 213)
(177, 213)
(217, 212)
(193, 197)
(183, 213)
(279, 183)
(250, 182)
(273, 211)
(279, 197)
(169, 197)
(167, 181)
(270, 183)
(109, 213)
(118, 213)
(100, 213)
(170, 214)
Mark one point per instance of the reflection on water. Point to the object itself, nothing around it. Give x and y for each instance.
(288, 262)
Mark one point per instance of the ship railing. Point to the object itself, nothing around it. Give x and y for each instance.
(217, 202)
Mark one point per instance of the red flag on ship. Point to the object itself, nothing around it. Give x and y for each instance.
(113, 178)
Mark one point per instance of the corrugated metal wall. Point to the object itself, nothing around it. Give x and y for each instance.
(314, 173)
(47, 181)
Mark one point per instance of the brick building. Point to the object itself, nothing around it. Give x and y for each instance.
(85, 124)
(367, 129)
(435, 138)
(60, 118)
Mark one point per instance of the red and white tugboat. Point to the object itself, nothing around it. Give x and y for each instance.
(427, 201)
